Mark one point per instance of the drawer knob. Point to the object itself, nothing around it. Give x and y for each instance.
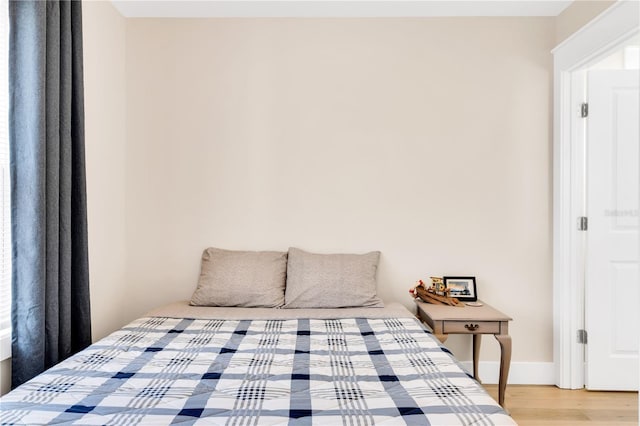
(471, 327)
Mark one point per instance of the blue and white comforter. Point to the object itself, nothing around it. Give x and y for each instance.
(159, 371)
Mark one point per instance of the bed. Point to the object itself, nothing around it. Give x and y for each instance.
(182, 364)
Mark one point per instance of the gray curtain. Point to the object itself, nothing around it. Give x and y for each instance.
(50, 286)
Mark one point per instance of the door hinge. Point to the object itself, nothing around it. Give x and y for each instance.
(584, 110)
(583, 223)
(582, 336)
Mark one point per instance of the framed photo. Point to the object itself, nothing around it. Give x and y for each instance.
(462, 288)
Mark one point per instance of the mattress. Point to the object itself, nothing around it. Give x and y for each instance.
(214, 366)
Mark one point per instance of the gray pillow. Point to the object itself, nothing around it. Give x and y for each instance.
(250, 279)
(331, 280)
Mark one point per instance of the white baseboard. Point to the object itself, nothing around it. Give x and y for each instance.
(520, 373)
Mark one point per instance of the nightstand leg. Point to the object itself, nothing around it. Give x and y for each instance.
(505, 363)
(476, 355)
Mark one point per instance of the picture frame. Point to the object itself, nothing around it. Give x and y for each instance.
(462, 288)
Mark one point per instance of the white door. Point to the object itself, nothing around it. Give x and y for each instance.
(612, 302)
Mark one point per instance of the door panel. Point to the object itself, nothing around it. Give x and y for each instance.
(612, 297)
(624, 281)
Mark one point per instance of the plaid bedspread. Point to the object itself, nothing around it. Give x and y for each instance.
(159, 371)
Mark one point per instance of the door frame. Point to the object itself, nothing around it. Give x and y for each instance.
(606, 32)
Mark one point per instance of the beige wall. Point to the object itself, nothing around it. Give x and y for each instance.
(5, 376)
(426, 139)
(578, 14)
(105, 122)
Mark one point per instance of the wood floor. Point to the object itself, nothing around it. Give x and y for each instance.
(548, 405)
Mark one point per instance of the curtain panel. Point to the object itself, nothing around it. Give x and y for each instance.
(50, 284)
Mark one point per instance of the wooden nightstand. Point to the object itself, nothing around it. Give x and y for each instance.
(445, 320)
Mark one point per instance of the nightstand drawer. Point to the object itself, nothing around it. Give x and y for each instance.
(470, 327)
